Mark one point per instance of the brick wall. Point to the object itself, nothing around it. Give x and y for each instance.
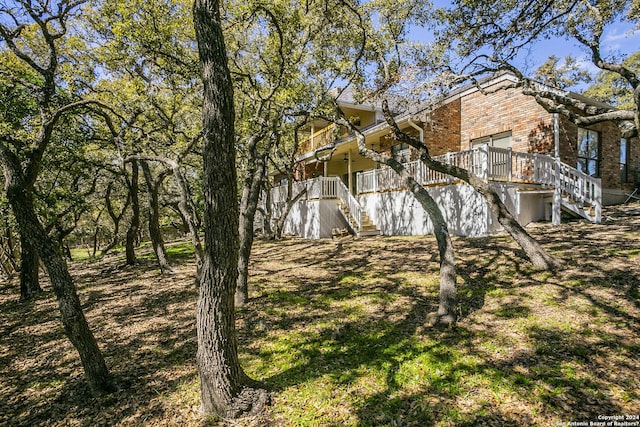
(506, 110)
(532, 130)
(609, 151)
(442, 129)
(634, 162)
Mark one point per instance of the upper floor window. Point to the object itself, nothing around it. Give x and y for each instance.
(589, 152)
(624, 160)
(498, 140)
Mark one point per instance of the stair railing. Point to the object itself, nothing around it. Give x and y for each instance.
(350, 202)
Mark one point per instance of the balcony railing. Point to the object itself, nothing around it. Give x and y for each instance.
(494, 164)
(320, 138)
(317, 188)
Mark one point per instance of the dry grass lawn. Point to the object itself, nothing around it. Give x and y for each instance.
(336, 329)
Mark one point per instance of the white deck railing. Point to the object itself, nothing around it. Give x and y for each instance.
(494, 164)
(321, 188)
(350, 202)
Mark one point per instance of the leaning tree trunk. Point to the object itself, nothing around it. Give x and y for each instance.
(75, 324)
(29, 269)
(225, 389)
(248, 206)
(134, 225)
(447, 307)
(536, 254)
(157, 241)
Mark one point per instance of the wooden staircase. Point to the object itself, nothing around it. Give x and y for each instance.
(576, 208)
(366, 228)
(580, 209)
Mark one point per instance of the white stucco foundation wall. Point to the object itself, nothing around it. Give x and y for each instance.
(466, 211)
(314, 219)
(399, 213)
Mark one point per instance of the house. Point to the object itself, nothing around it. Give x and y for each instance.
(539, 163)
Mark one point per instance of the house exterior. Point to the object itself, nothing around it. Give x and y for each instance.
(539, 164)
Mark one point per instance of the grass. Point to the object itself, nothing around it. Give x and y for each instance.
(336, 330)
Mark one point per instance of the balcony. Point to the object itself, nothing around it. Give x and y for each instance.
(320, 138)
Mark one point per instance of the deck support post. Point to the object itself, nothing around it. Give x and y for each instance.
(556, 207)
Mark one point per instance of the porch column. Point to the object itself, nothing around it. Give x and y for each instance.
(349, 172)
(556, 206)
(313, 130)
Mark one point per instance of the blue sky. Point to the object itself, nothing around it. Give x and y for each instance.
(619, 39)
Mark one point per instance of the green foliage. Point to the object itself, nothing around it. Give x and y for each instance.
(611, 88)
(19, 109)
(562, 75)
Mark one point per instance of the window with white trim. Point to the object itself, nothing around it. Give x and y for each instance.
(498, 140)
(589, 152)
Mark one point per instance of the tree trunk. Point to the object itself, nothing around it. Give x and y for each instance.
(29, 269)
(248, 206)
(267, 212)
(447, 308)
(536, 254)
(225, 389)
(190, 217)
(279, 225)
(8, 262)
(96, 236)
(134, 225)
(155, 233)
(73, 320)
(115, 217)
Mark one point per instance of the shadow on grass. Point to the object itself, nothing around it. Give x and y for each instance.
(142, 322)
(558, 372)
(341, 327)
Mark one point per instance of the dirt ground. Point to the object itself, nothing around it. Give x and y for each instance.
(570, 338)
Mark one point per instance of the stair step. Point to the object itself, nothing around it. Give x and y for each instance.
(369, 233)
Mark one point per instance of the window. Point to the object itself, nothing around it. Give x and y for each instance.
(401, 152)
(589, 152)
(624, 159)
(498, 140)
